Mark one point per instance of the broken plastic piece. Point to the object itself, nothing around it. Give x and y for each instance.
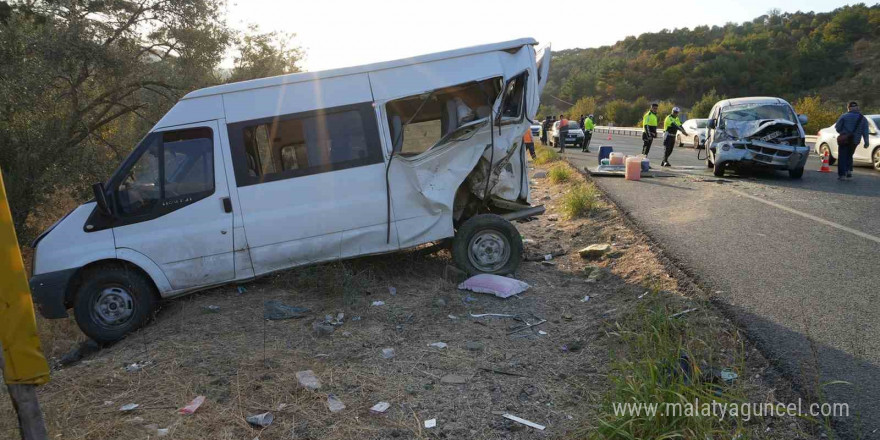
(499, 315)
(683, 312)
(212, 308)
(585, 298)
(241, 289)
(192, 406)
(523, 421)
(308, 380)
(378, 303)
(262, 420)
(334, 404)
(387, 353)
(129, 407)
(497, 285)
(437, 345)
(380, 407)
(430, 423)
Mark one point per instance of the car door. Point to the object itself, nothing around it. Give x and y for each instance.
(311, 186)
(864, 154)
(169, 207)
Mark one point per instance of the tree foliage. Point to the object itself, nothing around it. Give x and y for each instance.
(790, 55)
(820, 113)
(81, 81)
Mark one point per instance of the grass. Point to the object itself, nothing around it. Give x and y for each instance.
(664, 360)
(545, 155)
(559, 173)
(579, 201)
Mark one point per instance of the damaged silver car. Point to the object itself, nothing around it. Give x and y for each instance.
(756, 132)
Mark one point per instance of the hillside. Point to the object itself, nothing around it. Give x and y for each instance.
(792, 55)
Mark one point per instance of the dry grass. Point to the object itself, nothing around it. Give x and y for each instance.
(579, 201)
(560, 173)
(545, 155)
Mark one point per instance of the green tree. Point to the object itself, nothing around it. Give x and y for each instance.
(264, 54)
(704, 105)
(820, 114)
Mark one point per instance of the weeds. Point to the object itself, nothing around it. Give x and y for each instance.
(559, 173)
(579, 201)
(545, 155)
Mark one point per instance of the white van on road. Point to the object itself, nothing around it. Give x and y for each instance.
(240, 180)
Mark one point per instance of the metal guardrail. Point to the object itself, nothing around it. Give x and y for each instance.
(637, 131)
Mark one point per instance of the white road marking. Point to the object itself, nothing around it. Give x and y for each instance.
(809, 216)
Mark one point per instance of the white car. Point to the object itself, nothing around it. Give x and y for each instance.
(827, 141)
(536, 132)
(696, 130)
(575, 137)
(241, 180)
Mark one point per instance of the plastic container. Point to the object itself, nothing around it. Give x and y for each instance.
(605, 161)
(605, 152)
(616, 158)
(633, 170)
(646, 164)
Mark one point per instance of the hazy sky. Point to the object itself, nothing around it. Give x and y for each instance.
(337, 33)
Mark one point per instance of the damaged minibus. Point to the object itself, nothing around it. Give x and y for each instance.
(244, 179)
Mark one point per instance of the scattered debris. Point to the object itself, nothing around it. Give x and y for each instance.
(82, 350)
(334, 404)
(567, 316)
(498, 315)
(437, 345)
(453, 379)
(474, 346)
(356, 318)
(212, 308)
(527, 326)
(392, 290)
(452, 317)
(387, 353)
(594, 251)
(585, 298)
(523, 421)
(241, 290)
(308, 380)
(539, 174)
(497, 285)
(548, 257)
(128, 407)
(453, 274)
(261, 420)
(192, 406)
(430, 423)
(136, 366)
(542, 333)
(380, 407)
(276, 310)
(162, 432)
(683, 312)
(323, 328)
(378, 303)
(643, 295)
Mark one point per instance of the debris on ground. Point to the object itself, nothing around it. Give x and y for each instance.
(430, 423)
(380, 407)
(212, 308)
(378, 303)
(323, 328)
(308, 380)
(497, 315)
(192, 406)
(437, 345)
(453, 379)
(276, 310)
(523, 421)
(527, 325)
(539, 174)
(241, 290)
(595, 251)
(683, 312)
(128, 407)
(334, 404)
(497, 285)
(261, 420)
(387, 353)
(82, 350)
(136, 366)
(585, 298)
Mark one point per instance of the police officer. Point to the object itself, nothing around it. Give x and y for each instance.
(589, 125)
(671, 125)
(649, 123)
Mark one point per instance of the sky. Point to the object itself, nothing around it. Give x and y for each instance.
(339, 33)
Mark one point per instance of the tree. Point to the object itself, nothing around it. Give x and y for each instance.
(265, 54)
(701, 108)
(820, 114)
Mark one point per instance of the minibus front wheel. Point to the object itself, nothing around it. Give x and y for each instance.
(112, 301)
(487, 243)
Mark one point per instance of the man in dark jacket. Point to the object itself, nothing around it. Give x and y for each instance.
(545, 128)
(851, 127)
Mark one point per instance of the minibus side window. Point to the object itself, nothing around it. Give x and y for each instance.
(140, 189)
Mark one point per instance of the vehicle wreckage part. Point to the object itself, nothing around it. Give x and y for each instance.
(516, 215)
(112, 301)
(487, 243)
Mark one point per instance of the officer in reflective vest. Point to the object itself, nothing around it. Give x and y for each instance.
(589, 125)
(649, 123)
(671, 126)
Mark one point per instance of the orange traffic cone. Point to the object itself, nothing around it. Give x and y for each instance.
(825, 168)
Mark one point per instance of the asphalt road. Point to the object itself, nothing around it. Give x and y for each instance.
(796, 262)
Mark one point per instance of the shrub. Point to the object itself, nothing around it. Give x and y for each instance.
(560, 173)
(579, 201)
(545, 155)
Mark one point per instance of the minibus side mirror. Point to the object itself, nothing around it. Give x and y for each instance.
(803, 119)
(101, 198)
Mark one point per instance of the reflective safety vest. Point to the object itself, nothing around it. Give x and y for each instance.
(588, 124)
(670, 120)
(650, 119)
(527, 138)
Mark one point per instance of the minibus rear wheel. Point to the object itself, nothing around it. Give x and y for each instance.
(487, 243)
(112, 301)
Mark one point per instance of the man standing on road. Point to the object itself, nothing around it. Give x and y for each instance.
(581, 122)
(529, 143)
(671, 126)
(589, 125)
(851, 127)
(545, 128)
(562, 132)
(649, 123)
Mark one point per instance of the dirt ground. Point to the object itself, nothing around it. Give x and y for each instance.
(553, 374)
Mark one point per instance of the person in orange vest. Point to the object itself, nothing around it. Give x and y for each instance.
(562, 132)
(527, 141)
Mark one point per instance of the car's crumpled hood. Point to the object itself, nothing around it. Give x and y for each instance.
(745, 129)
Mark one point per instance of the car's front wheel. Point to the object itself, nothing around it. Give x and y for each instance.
(824, 148)
(796, 173)
(112, 301)
(696, 142)
(875, 158)
(487, 243)
(718, 169)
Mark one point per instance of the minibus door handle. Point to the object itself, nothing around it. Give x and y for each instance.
(227, 204)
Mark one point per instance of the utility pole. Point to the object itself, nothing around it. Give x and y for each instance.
(24, 366)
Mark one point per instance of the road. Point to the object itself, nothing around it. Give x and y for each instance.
(794, 262)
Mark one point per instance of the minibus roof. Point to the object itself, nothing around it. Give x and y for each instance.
(311, 76)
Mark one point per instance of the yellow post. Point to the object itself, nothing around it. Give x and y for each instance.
(25, 366)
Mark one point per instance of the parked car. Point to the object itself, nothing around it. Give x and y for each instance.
(575, 137)
(536, 131)
(241, 180)
(696, 130)
(756, 132)
(826, 140)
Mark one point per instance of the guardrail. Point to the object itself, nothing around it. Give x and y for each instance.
(637, 131)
